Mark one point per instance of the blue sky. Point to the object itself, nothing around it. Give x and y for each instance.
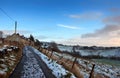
(63, 21)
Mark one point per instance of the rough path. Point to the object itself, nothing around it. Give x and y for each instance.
(31, 66)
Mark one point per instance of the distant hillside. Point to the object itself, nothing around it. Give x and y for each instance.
(88, 52)
(97, 52)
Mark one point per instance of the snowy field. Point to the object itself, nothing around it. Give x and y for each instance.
(103, 69)
(104, 53)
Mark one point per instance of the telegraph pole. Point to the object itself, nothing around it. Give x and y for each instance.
(15, 27)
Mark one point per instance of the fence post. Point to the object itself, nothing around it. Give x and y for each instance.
(38, 48)
(91, 73)
(51, 54)
(74, 62)
(46, 51)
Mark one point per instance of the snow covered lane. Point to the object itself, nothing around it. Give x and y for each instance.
(31, 68)
(57, 69)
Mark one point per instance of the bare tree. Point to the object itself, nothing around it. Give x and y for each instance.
(37, 43)
(54, 46)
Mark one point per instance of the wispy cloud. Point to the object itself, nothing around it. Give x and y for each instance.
(109, 35)
(68, 26)
(92, 41)
(86, 15)
(9, 32)
(42, 37)
(75, 16)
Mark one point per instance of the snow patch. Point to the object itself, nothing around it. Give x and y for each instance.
(31, 68)
(57, 69)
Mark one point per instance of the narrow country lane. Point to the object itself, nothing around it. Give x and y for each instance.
(31, 66)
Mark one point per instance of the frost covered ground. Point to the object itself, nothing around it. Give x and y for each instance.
(8, 61)
(57, 69)
(31, 67)
(103, 70)
(6, 64)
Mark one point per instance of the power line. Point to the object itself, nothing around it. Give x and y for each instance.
(7, 14)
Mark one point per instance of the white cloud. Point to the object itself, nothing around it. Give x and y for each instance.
(109, 35)
(106, 36)
(9, 32)
(87, 15)
(74, 16)
(41, 37)
(107, 32)
(68, 26)
(92, 41)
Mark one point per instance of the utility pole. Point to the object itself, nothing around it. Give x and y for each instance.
(15, 27)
